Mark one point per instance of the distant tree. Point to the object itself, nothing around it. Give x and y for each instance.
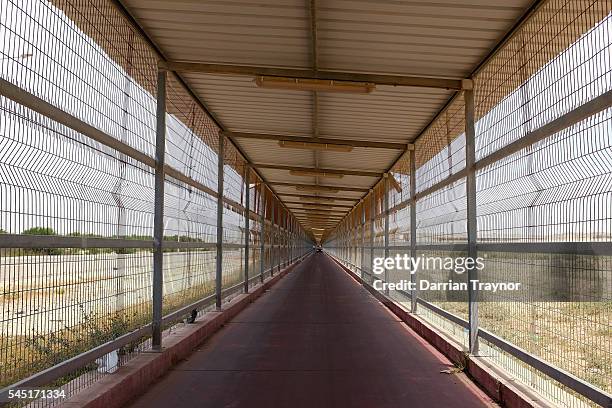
(39, 231)
(43, 231)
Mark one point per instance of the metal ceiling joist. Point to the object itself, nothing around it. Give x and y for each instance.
(308, 216)
(321, 140)
(315, 197)
(307, 204)
(378, 79)
(312, 221)
(322, 211)
(320, 170)
(321, 205)
(319, 222)
(319, 213)
(326, 188)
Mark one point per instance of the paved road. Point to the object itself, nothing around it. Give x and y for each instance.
(316, 339)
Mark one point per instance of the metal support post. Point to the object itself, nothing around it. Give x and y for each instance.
(470, 157)
(247, 225)
(219, 265)
(280, 237)
(158, 220)
(372, 218)
(262, 234)
(386, 213)
(413, 236)
(363, 233)
(272, 236)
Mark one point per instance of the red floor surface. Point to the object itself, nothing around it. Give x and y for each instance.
(316, 339)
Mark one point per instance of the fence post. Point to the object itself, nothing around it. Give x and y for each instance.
(219, 264)
(413, 224)
(247, 225)
(158, 223)
(470, 157)
(372, 217)
(386, 213)
(281, 231)
(272, 235)
(363, 231)
(262, 233)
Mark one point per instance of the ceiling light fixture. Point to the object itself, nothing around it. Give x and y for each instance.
(317, 199)
(317, 188)
(309, 84)
(315, 146)
(314, 173)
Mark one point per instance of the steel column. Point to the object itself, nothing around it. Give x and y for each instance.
(283, 229)
(470, 158)
(386, 213)
(262, 232)
(363, 233)
(372, 217)
(281, 234)
(219, 264)
(158, 226)
(247, 225)
(413, 225)
(272, 235)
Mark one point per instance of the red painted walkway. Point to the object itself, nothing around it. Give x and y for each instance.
(317, 339)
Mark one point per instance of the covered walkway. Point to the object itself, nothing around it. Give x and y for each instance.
(316, 339)
(168, 166)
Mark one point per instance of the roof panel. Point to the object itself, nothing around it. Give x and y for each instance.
(268, 151)
(247, 32)
(242, 106)
(389, 113)
(359, 158)
(446, 38)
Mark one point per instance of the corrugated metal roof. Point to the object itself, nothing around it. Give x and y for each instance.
(360, 158)
(446, 38)
(267, 151)
(389, 113)
(243, 107)
(241, 32)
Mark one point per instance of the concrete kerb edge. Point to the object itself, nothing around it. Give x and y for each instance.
(133, 379)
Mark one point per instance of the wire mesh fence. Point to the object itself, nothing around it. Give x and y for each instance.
(543, 159)
(78, 196)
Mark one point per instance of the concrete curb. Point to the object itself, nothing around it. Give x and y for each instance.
(490, 379)
(133, 379)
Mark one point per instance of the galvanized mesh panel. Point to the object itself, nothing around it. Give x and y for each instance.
(558, 60)
(441, 216)
(440, 150)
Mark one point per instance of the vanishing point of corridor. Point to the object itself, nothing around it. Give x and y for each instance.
(316, 339)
